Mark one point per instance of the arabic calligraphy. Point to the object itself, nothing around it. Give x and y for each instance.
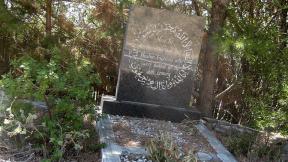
(167, 61)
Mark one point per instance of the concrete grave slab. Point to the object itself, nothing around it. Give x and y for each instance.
(112, 152)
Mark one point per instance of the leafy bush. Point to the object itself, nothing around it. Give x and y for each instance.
(64, 84)
(261, 70)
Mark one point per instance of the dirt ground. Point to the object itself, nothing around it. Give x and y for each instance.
(131, 131)
(10, 151)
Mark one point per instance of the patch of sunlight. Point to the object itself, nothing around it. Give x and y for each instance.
(133, 143)
(239, 44)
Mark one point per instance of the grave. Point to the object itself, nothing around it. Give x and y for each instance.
(156, 76)
(158, 66)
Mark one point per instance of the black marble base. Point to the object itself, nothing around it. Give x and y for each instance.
(109, 105)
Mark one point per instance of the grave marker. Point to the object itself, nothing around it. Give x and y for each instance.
(158, 64)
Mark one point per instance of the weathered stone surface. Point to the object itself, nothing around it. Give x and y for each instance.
(159, 57)
(222, 152)
(284, 152)
(112, 151)
(203, 156)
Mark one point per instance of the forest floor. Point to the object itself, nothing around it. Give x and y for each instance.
(28, 154)
(11, 150)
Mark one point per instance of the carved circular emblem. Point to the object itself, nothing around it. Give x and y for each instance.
(161, 56)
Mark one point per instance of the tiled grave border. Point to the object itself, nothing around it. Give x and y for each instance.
(112, 151)
(222, 152)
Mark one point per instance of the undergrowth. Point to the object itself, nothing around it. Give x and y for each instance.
(63, 85)
(253, 147)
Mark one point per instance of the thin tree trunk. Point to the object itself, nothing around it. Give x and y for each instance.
(4, 58)
(196, 8)
(152, 3)
(283, 24)
(4, 46)
(49, 107)
(218, 16)
(48, 17)
(48, 25)
(251, 10)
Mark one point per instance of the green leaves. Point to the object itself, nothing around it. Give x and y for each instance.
(251, 40)
(64, 84)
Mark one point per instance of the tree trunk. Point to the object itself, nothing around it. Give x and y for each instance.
(48, 25)
(154, 3)
(48, 17)
(283, 24)
(4, 58)
(218, 16)
(4, 46)
(196, 8)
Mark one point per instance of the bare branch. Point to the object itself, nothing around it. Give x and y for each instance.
(220, 95)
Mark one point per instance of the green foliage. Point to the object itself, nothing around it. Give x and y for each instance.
(253, 147)
(240, 144)
(8, 21)
(64, 83)
(262, 64)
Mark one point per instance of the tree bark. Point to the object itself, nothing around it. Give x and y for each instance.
(153, 3)
(196, 8)
(4, 46)
(48, 17)
(4, 58)
(218, 16)
(283, 24)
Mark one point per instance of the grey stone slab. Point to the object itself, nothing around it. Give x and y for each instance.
(112, 151)
(203, 156)
(111, 154)
(104, 127)
(222, 153)
(160, 57)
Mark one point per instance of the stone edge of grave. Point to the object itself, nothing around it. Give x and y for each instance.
(222, 153)
(112, 151)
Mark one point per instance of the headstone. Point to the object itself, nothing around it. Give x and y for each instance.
(158, 64)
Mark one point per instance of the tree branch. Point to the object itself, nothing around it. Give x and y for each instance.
(220, 95)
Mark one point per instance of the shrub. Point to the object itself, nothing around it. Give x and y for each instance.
(63, 82)
(253, 147)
